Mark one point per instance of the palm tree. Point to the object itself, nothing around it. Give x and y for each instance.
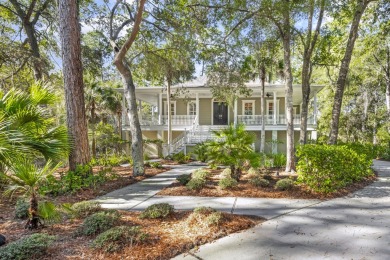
(26, 130)
(233, 147)
(26, 177)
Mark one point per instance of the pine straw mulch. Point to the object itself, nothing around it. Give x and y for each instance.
(245, 189)
(166, 237)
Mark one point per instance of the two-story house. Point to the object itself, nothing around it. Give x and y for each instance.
(194, 117)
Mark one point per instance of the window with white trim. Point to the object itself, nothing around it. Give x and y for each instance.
(191, 108)
(248, 107)
(271, 108)
(173, 108)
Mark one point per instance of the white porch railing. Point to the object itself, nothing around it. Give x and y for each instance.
(269, 119)
(182, 120)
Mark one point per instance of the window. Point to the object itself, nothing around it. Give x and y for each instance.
(191, 108)
(248, 107)
(173, 108)
(271, 109)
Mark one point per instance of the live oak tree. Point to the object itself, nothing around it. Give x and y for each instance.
(73, 82)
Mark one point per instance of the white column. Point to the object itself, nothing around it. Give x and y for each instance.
(160, 108)
(274, 141)
(275, 108)
(235, 112)
(197, 108)
(315, 108)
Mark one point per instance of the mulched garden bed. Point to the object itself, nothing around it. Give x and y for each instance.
(245, 189)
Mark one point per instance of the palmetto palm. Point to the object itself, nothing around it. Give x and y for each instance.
(27, 178)
(25, 128)
(233, 147)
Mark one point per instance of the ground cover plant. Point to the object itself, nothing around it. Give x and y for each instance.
(118, 234)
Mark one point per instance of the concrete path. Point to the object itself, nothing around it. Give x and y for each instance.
(353, 227)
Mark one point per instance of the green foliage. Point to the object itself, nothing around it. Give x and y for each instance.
(204, 210)
(74, 181)
(258, 181)
(200, 151)
(156, 165)
(181, 157)
(278, 159)
(107, 140)
(85, 208)
(214, 219)
(327, 168)
(31, 247)
(253, 172)
(184, 179)
(200, 174)
(21, 208)
(119, 237)
(232, 147)
(110, 160)
(284, 184)
(227, 183)
(196, 184)
(99, 222)
(160, 210)
(367, 149)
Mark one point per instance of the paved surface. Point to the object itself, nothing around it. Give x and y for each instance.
(353, 227)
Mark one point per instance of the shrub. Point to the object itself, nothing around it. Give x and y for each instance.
(370, 150)
(160, 210)
(204, 210)
(200, 151)
(284, 184)
(227, 172)
(181, 157)
(327, 168)
(85, 208)
(280, 160)
(184, 179)
(21, 209)
(99, 222)
(116, 238)
(200, 174)
(214, 219)
(32, 247)
(252, 171)
(156, 165)
(196, 184)
(227, 183)
(258, 181)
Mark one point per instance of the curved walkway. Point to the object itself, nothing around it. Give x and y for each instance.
(353, 227)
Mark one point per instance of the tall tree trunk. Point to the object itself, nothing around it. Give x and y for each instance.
(93, 127)
(306, 66)
(344, 68)
(169, 81)
(33, 221)
(286, 35)
(73, 82)
(32, 40)
(262, 108)
(135, 126)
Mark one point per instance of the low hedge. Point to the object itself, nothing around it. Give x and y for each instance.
(327, 168)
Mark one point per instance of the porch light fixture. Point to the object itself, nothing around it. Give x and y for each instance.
(268, 95)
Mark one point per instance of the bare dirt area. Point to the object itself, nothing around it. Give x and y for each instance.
(246, 189)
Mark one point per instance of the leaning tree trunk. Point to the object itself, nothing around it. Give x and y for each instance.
(135, 126)
(93, 127)
(290, 165)
(344, 68)
(73, 82)
(305, 100)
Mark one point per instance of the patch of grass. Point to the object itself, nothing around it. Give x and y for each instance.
(119, 237)
(200, 174)
(32, 247)
(253, 172)
(156, 165)
(99, 222)
(160, 210)
(227, 172)
(227, 183)
(204, 210)
(284, 184)
(184, 179)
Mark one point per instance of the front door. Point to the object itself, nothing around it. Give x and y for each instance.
(220, 113)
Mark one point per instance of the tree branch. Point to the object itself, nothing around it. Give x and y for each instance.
(30, 11)
(40, 11)
(239, 23)
(122, 52)
(9, 9)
